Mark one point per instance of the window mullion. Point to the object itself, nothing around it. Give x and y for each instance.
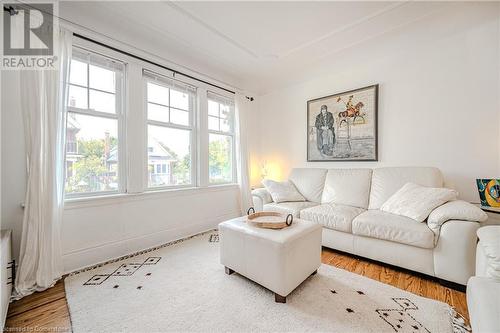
(102, 91)
(221, 133)
(158, 104)
(220, 117)
(90, 112)
(170, 125)
(122, 130)
(203, 140)
(169, 103)
(88, 82)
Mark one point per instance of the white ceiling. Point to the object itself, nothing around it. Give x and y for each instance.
(259, 46)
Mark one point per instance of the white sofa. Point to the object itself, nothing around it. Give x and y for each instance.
(483, 289)
(346, 202)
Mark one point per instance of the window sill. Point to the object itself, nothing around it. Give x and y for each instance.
(112, 199)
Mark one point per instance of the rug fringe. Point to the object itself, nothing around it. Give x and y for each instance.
(138, 253)
(458, 322)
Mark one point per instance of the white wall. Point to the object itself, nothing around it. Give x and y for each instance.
(438, 101)
(96, 231)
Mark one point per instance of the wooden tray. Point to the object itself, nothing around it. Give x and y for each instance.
(269, 220)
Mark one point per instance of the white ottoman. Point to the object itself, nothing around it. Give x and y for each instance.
(279, 260)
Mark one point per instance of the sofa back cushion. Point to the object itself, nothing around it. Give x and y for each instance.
(387, 181)
(349, 187)
(309, 182)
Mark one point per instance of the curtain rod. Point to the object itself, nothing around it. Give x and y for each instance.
(149, 61)
(11, 10)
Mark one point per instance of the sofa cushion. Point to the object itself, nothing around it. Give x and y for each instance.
(394, 228)
(309, 182)
(332, 216)
(417, 202)
(293, 208)
(349, 187)
(386, 181)
(282, 191)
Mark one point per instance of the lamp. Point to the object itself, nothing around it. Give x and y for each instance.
(264, 172)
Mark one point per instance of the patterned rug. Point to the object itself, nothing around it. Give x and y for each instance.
(183, 287)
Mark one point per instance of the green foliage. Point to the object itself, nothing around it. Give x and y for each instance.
(91, 148)
(89, 172)
(182, 169)
(219, 160)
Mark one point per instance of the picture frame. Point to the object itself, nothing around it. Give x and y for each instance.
(489, 193)
(343, 126)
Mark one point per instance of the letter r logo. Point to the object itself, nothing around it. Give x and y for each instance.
(30, 31)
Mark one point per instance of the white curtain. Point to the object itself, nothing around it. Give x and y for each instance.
(243, 114)
(44, 96)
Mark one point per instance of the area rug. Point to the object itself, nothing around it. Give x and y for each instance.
(183, 287)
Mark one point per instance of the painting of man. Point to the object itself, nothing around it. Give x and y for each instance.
(325, 132)
(343, 126)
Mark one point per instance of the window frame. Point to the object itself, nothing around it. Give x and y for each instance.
(219, 99)
(132, 129)
(119, 116)
(157, 78)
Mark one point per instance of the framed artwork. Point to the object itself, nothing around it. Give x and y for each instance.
(343, 126)
(489, 192)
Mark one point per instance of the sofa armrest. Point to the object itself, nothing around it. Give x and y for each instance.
(488, 256)
(260, 197)
(455, 251)
(483, 303)
(481, 261)
(455, 210)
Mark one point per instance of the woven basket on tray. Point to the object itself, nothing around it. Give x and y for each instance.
(269, 220)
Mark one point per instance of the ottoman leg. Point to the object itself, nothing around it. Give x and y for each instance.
(279, 298)
(314, 273)
(228, 270)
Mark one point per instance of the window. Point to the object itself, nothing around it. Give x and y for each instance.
(171, 131)
(170, 137)
(93, 124)
(220, 139)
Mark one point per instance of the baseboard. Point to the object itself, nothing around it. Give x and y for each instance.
(452, 285)
(78, 260)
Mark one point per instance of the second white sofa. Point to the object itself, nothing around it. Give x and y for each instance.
(483, 289)
(346, 202)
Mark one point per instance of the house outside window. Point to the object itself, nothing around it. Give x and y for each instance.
(94, 123)
(170, 106)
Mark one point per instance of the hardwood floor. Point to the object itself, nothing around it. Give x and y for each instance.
(42, 311)
(48, 310)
